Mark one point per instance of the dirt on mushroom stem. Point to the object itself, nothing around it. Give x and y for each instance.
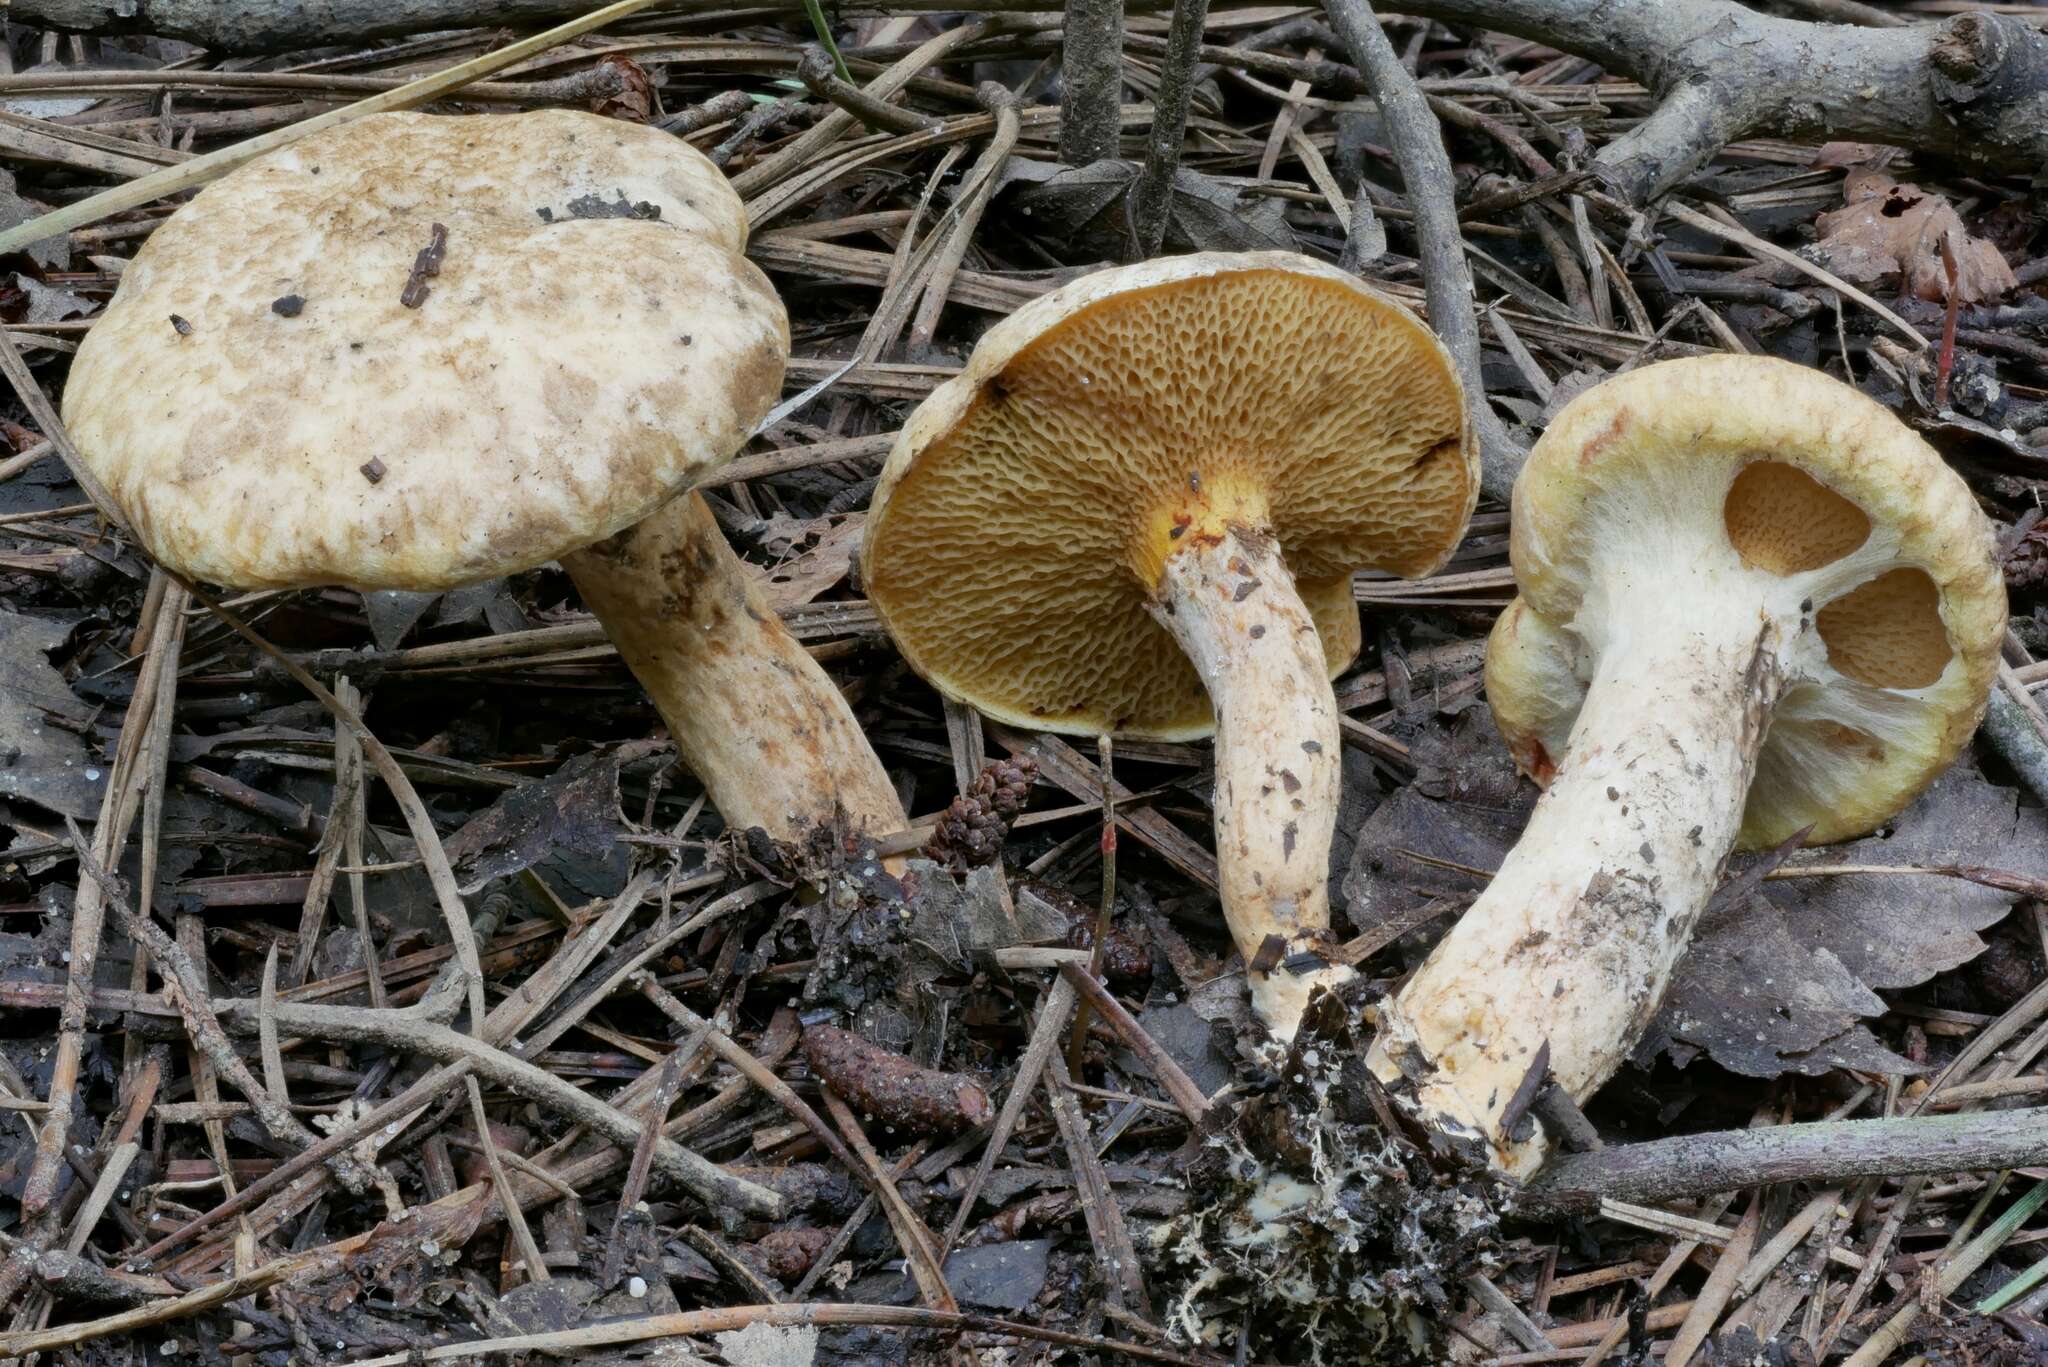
(1575, 939)
(1225, 594)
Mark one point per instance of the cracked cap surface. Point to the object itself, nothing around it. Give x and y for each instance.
(594, 342)
(1776, 489)
(1027, 507)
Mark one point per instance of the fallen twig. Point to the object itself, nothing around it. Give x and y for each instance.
(398, 1030)
(740, 1316)
(821, 76)
(919, 1249)
(1439, 240)
(1054, 1008)
(110, 833)
(1820, 1151)
(1187, 1097)
(2014, 724)
(1152, 191)
(185, 987)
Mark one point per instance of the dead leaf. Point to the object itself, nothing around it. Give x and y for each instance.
(488, 601)
(634, 100)
(41, 761)
(573, 811)
(1890, 230)
(1900, 931)
(394, 612)
(804, 576)
(1759, 1003)
(548, 1307)
(52, 253)
(48, 303)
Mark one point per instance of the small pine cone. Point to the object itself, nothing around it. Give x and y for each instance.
(1009, 784)
(969, 834)
(974, 826)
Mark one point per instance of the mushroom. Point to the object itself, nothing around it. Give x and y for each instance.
(1138, 509)
(416, 351)
(1752, 604)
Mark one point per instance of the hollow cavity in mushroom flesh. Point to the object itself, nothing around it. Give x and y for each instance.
(1223, 591)
(758, 721)
(1693, 637)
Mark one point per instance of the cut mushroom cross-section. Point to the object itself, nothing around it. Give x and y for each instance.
(1138, 509)
(415, 351)
(1752, 603)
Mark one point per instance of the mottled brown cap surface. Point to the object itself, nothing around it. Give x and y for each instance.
(592, 342)
(1025, 513)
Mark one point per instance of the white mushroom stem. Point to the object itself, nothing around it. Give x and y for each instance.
(754, 716)
(1573, 942)
(1228, 599)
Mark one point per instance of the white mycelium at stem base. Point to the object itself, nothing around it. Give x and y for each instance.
(1226, 596)
(1752, 603)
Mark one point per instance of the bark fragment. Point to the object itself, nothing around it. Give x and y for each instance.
(892, 1089)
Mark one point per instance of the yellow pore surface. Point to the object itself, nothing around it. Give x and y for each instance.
(1025, 515)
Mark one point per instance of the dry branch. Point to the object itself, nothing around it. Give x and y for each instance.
(1967, 89)
(186, 985)
(1823, 1151)
(1439, 241)
(819, 77)
(1091, 80)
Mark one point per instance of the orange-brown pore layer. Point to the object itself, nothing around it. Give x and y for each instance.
(1784, 521)
(1886, 632)
(1017, 555)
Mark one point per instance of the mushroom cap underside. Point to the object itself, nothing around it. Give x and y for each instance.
(1758, 479)
(1022, 518)
(285, 392)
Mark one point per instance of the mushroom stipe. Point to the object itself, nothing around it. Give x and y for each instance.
(760, 722)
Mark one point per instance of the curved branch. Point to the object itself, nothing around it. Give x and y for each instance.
(1966, 89)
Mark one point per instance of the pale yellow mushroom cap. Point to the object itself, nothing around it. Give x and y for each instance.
(594, 342)
(1765, 482)
(1024, 515)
